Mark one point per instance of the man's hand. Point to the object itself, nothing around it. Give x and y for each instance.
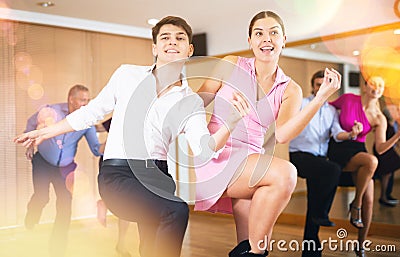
(332, 82)
(29, 152)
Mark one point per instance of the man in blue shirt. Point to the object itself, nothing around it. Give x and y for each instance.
(308, 153)
(53, 163)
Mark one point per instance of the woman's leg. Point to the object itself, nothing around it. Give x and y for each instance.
(366, 213)
(241, 209)
(384, 184)
(268, 197)
(365, 165)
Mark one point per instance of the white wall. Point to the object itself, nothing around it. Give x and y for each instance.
(225, 21)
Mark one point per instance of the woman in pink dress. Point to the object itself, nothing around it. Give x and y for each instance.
(246, 178)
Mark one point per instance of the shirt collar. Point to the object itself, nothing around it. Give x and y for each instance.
(151, 68)
(184, 85)
(64, 108)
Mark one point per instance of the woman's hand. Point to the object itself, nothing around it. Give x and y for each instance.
(332, 82)
(241, 109)
(356, 130)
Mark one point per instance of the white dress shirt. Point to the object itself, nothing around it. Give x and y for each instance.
(144, 125)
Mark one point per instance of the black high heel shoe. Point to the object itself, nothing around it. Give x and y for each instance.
(360, 253)
(357, 221)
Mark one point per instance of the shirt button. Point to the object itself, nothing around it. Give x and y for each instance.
(59, 143)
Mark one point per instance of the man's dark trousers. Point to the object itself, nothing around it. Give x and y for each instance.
(44, 174)
(322, 177)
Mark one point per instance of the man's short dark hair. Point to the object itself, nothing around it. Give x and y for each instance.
(73, 90)
(319, 74)
(173, 20)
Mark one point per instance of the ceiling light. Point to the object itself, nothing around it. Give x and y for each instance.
(46, 4)
(356, 53)
(396, 32)
(312, 46)
(152, 21)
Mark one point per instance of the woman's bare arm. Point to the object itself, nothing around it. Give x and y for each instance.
(210, 86)
(381, 144)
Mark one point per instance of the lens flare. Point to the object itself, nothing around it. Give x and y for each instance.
(380, 56)
(301, 11)
(383, 62)
(35, 91)
(23, 62)
(46, 117)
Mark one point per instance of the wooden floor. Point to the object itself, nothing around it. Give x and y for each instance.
(207, 235)
(211, 235)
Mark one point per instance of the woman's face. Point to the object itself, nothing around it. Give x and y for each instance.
(267, 39)
(374, 91)
(172, 44)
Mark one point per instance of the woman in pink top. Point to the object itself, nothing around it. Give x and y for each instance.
(362, 112)
(245, 179)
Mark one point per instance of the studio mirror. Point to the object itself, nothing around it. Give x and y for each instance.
(362, 53)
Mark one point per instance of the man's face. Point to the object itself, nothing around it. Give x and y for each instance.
(172, 44)
(79, 99)
(317, 84)
(394, 111)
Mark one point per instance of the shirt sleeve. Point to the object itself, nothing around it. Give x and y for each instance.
(102, 104)
(32, 123)
(93, 141)
(339, 102)
(336, 128)
(196, 131)
(44, 116)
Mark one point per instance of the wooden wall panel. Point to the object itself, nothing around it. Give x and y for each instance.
(40, 64)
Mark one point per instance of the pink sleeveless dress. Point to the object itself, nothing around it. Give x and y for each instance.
(213, 177)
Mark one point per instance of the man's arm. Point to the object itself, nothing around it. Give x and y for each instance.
(31, 125)
(32, 122)
(93, 142)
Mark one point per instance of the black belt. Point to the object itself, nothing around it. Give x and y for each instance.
(148, 163)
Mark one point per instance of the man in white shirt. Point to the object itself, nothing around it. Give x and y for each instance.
(152, 106)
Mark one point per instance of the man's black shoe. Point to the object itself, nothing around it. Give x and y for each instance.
(392, 199)
(323, 222)
(387, 203)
